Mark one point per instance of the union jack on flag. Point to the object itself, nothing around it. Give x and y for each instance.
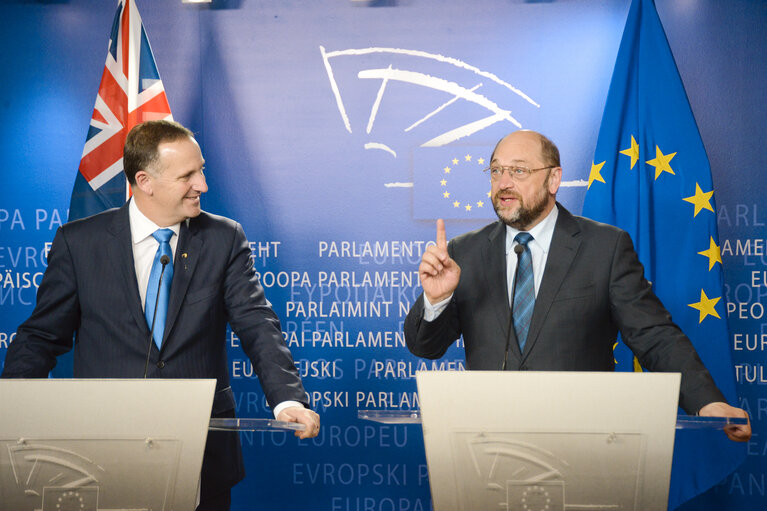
(130, 92)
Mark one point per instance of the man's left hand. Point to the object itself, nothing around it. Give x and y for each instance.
(737, 433)
(303, 416)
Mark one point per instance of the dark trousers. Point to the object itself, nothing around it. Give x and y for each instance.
(222, 468)
(219, 502)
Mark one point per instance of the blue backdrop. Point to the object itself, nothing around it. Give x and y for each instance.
(328, 128)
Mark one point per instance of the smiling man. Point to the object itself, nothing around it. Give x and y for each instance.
(161, 265)
(544, 290)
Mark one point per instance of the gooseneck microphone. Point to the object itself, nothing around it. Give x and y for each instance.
(164, 260)
(518, 249)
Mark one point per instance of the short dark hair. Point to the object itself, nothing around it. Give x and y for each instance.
(549, 151)
(142, 142)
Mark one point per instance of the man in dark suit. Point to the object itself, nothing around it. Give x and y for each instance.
(99, 278)
(584, 284)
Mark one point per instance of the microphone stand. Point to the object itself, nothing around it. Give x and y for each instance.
(518, 249)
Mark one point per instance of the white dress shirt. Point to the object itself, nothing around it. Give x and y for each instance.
(145, 246)
(539, 250)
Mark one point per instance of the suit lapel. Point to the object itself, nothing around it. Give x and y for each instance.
(119, 247)
(184, 262)
(564, 246)
(496, 283)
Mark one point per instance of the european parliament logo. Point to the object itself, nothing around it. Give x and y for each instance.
(430, 109)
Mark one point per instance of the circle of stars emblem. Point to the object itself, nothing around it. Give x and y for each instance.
(454, 198)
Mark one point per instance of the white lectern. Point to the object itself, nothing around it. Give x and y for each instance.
(550, 441)
(106, 445)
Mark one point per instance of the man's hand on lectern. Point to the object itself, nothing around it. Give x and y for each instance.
(303, 416)
(734, 432)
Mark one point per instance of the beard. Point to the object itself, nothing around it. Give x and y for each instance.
(525, 214)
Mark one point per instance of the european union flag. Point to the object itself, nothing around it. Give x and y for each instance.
(651, 177)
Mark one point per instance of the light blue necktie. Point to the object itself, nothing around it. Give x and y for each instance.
(163, 237)
(524, 292)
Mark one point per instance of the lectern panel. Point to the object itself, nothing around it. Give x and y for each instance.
(102, 445)
(502, 470)
(88, 474)
(552, 441)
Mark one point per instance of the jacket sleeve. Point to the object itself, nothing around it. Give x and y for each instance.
(251, 316)
(49, 331)
(647, 329)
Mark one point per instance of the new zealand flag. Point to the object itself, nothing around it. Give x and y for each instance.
(131, 92)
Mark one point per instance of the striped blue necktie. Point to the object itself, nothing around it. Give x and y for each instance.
(163, 237)
(524, 292)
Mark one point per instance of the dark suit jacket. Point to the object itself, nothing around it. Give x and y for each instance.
(90, 290)
(593, 286)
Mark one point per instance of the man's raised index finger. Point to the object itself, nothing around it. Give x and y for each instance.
(441, 236)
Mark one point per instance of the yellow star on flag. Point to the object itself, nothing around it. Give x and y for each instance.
(455, 161)
(713, 253)
(481, 161)
(443, 182)
(447, 170)
(701, 200)
(468, 207)
(595, 174)
(661, 162)
(632, 151)
(488, 194)
(706, 306)
(467, 157)
(456, 204)
(446, 195)
(480, 204)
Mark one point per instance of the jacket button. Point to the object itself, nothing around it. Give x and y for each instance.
(161, 364)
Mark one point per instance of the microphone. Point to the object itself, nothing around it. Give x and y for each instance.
(164, 260)
(518, 249)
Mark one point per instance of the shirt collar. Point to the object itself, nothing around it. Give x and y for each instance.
(542, 232)
(141, 227)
